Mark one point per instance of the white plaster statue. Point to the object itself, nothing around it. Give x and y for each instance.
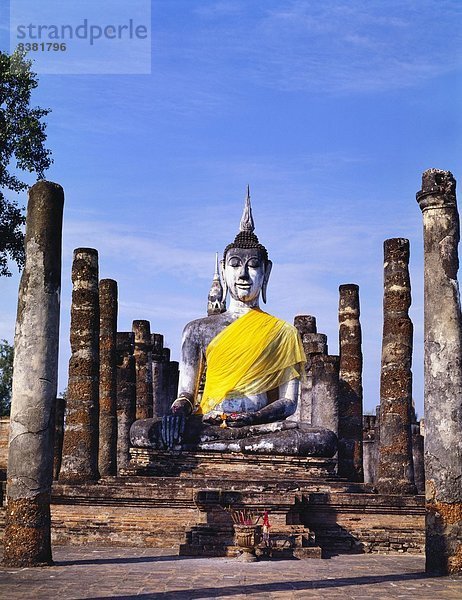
(254, 363)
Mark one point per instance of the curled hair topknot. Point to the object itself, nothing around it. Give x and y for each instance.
(247, 240)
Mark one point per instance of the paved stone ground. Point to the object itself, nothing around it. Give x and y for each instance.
(144, 573)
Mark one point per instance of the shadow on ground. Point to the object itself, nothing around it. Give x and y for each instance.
(248, 590)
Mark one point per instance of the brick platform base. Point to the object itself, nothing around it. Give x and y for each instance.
(310, 512)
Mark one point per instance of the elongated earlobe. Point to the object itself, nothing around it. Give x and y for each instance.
(269, 266)
(223, 280)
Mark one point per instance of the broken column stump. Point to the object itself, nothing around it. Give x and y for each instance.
(107, 456)
(325, 372)
(306, 327)
(396, 467)
(370, 448)
(27, 541)
(81, 433)
(442, 373)
(350, 433)
(143, 367)
(126, 395)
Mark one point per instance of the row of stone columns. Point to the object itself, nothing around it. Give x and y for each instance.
(331, 391)
(331, 394)
(110, 377)
(318, 398)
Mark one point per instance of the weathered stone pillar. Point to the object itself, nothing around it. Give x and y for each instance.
(325, 370)
(80, 448)
(173, 377)
(166, 375)
(107, 457)
(396, 469)
(418, 458)
(350, 452)
(305, 324)
(160, 403)
(143, 360)
(370, 453)
(60, 407)
(443, 373)
(30, 460)
(126, 395)
(314, 344)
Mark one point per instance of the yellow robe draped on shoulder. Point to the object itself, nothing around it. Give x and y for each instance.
(252, 355)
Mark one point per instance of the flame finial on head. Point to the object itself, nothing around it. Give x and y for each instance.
(247, 223)
(246, 237)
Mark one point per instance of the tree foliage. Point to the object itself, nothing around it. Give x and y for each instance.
(6, 376)
(22, 139)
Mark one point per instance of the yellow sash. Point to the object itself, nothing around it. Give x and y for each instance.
(255, 354)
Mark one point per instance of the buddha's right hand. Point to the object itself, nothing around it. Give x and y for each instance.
(172, 430)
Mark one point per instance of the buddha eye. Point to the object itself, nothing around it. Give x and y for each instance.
(234, 262)
(254, 264)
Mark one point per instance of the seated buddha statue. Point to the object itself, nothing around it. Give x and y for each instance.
(253, 363)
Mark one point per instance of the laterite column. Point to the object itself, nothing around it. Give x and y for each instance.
(27, 540)
(126, 395)
(143, 360)
(443, 373)
(81, 433)
(325, 370)
(107, 457)
(160, 407)
(396, 467)
(350, 434)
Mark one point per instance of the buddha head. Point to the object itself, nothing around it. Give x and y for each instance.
(245, 266)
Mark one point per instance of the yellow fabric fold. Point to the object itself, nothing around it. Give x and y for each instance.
(252, 355)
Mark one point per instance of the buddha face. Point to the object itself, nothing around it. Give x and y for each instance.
(244, 272)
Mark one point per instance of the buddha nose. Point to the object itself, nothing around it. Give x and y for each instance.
(243, 272)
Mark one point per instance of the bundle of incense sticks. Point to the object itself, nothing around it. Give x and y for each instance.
(243, 517)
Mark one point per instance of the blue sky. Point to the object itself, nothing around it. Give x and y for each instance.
(329, 110)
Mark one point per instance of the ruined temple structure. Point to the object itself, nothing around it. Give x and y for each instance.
(361, 499)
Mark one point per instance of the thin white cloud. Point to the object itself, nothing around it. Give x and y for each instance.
(329, 47)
